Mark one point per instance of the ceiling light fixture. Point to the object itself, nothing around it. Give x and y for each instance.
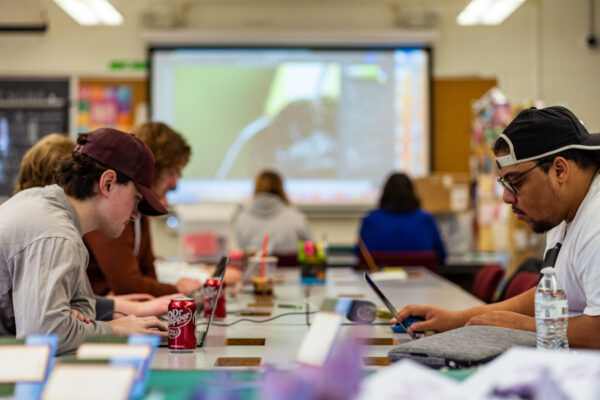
(91, 12)
(487, 12)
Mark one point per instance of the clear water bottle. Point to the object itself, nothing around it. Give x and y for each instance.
(551, 312)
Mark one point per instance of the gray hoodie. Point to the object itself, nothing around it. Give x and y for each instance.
(267, 214)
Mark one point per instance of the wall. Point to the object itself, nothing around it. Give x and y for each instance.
(539, 52)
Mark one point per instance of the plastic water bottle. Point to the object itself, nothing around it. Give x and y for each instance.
(551, 312)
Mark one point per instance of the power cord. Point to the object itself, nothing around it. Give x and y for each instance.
(259, 321)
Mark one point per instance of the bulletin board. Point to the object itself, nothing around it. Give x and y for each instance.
(30, 108)
(114, 103)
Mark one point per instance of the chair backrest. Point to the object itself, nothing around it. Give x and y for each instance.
(287, 259)
(532, 264)
(428, 259)
(520, 283)
(486, 282)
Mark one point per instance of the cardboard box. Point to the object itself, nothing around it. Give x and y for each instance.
(444, 192)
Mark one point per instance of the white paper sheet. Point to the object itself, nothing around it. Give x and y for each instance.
(317, 343)
(408, 380)
(110, 350)
(90, 382)
(23, 363)
(575, 373)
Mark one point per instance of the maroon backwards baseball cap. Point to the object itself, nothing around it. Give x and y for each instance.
(128, 155)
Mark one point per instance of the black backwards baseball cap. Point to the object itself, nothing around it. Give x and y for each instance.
(128, 155)
(538, 133)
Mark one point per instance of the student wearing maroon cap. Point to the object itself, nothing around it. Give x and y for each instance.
(548, 164)
(105, 185)
(125, 264)
(38, 169)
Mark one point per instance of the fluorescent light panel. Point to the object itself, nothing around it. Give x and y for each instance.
(487, 12)
(91, 12)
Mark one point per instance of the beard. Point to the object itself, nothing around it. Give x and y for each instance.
(538, 226)
(542, 226)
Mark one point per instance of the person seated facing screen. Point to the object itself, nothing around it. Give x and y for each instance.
(548, 164)
(270, 213)
(399, 224)
(126, 264)
(43, 286)
(39, 167)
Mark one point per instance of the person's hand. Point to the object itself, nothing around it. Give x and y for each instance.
(134, 297)
(80, 317)
(435, 318)
(188, 285)
(156, 306)
(233, 276)
(130, 325)
(504, 319)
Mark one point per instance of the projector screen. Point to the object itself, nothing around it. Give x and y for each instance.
(333, 121)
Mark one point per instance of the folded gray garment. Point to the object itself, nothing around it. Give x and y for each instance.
(462, 347)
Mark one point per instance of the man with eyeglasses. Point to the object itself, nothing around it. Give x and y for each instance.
(548, 164)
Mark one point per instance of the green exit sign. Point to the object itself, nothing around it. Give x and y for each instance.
(120, 65)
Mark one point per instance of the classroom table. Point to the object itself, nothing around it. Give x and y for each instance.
(283, 336)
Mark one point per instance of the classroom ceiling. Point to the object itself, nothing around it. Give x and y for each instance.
(24, 14)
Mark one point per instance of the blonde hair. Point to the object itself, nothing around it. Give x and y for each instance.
(270, 182)
(170, 149)
(39, 165)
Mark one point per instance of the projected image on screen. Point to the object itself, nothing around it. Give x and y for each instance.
(333, 122)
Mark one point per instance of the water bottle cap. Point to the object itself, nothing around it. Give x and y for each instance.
(548, 270)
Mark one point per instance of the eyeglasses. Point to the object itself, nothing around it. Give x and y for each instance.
(509, 184)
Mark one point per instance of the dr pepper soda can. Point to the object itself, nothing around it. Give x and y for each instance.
(210, 293)
(182, 324)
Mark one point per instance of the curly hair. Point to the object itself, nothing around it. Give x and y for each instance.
(169, 147)
(78, 175)
(39, 165)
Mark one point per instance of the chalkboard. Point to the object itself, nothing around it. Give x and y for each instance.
(29, 110)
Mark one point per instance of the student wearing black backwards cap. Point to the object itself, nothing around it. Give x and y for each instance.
(104, 186)
(548, 164)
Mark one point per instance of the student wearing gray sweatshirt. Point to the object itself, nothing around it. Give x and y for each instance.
(43, 285)
(270, 213)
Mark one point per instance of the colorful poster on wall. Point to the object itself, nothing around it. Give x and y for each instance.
(105, 105)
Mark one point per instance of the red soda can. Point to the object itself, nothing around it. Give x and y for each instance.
(182, 324)
(210, 293)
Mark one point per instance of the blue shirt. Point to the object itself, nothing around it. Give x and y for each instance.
(384, 231)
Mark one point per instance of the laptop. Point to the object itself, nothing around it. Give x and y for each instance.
(389, 305)
(198, 294)
(221, 267)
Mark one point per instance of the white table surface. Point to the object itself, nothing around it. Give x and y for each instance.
(283, 336)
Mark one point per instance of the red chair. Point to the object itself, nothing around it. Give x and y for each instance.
(520, 283)
(428, 259)
(486, 282)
